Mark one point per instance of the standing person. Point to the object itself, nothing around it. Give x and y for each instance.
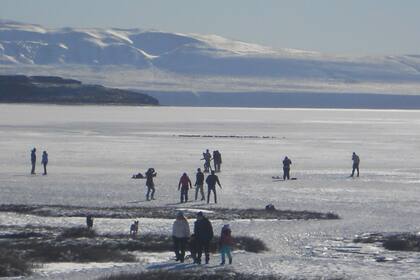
(33, 160)
(217, 159)
(207, 159)
(184, 184)
(150, 173)
(211, 181)
(199, 184)
(286, 168)
(225, 244)
(180, 235)
(89, 221)
(356, 160)
(44, 161)
(203, 232)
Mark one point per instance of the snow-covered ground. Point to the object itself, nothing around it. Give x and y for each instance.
(94, 150)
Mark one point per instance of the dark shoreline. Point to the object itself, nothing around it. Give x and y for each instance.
(161, 212)
(18, 89)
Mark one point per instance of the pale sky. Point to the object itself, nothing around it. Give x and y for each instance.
(330, 26)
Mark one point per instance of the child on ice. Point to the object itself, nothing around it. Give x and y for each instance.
(225, 243)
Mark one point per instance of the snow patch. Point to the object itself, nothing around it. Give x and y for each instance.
(63, 46)
(120, 35)
(195, 210)
(6, 25)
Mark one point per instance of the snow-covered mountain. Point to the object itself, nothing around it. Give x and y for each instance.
(209, 70)
(29, 44)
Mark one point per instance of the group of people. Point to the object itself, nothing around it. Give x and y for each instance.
(185, 184)
(212, 180)
(199, 242)
(44, 161)
(287, 162)
(217, 160)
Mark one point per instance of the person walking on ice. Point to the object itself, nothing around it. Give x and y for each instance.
(356, 161)
(203, 231)
(217, 160)
(33, 160)
(211, 181)
(150, 173)
(225, 244)
(44, 161)
(184, 184)
(286, 168)
(199, 184)
(180, 235)
(207, 160)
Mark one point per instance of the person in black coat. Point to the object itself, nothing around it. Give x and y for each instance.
(33, 160)
(286, 168)
(356, 161)
(211, 181)
(217, 159)
(203, 232)
(89, 221)
(150, 173)
(199, 182)
(44, 161)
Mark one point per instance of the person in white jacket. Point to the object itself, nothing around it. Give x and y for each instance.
(180, 235)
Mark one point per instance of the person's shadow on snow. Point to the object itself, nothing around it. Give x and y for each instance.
(171, 266)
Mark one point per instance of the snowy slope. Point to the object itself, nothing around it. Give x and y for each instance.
(28, 44)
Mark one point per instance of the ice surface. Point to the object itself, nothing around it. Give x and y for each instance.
(94, 150)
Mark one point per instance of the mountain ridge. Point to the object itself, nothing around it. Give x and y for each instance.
(166, 64)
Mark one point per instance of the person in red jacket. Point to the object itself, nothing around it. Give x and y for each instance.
(184, 184)
(226, 243)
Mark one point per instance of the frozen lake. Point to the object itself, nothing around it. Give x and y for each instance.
(94, 150)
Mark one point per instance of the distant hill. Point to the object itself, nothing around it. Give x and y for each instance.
(56, 90)
(209, 70)
(30, 44)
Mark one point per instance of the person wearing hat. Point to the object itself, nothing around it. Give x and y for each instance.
(184, 184)
(199, 184)
(225, 244)
(203, 231)
(180, 235)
